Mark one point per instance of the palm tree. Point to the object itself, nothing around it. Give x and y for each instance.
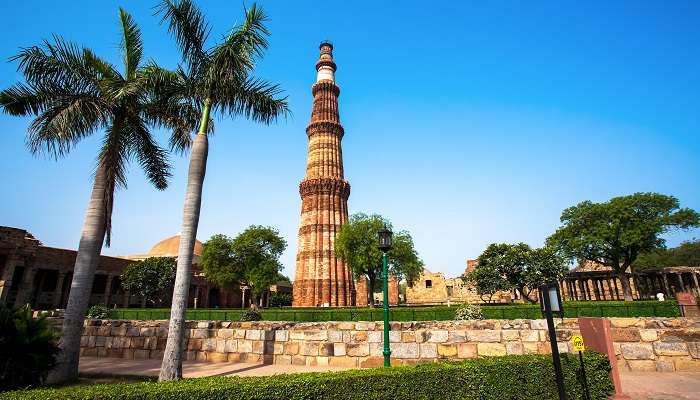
(219, 79)
(72, 93)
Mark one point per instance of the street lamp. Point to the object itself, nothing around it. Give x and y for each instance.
(550, 301)
(385, 245)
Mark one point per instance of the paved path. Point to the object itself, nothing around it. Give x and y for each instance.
(661, 385)
(191, 369)
(638, 385)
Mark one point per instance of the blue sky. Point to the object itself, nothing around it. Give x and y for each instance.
(466, 124)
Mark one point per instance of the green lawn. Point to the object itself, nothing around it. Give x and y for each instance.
(519, 311)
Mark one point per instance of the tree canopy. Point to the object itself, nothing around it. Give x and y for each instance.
(250, 259)
(503, 267)
(616, 232)
(687, 254)
(356, 244)
(151, 278)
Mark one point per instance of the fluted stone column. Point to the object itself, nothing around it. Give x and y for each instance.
(58, 290)
(6, 280)
(321, 279)
(25, 288)
(108, 289)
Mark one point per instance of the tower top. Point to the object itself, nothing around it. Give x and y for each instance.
(325, 66)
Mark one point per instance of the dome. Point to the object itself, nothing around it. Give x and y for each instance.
(170, 247)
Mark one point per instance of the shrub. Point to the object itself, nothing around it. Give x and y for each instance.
(280, 300)
(99, 311)
(509, 377)
(468, 311)
(27, 348)
(251, 315)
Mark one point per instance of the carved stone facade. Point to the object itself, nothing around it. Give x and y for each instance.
(321, 278)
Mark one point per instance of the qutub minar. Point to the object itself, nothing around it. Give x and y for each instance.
(321, 278)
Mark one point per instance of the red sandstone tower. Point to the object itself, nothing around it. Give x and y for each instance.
(321, 279)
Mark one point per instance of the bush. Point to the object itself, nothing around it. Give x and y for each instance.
(468, 311)
(98, 311)
(280, 300)
(509, 377)
(27, 348)
(251, 315)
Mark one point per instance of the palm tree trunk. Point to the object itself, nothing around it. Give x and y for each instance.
(91, 240)
(171, 367)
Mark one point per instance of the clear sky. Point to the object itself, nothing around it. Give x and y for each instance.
(466, 124)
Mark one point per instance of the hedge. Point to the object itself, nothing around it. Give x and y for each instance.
(520, 311)
(509, 377)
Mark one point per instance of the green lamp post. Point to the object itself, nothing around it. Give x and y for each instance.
(385, 236)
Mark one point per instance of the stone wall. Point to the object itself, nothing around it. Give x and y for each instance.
(664, 344)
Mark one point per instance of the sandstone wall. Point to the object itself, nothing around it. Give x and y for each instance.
(664, 344)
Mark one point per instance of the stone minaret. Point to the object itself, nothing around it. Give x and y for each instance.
(321, 279)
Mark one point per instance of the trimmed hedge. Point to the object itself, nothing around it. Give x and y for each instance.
(509, 377)
(439, 313)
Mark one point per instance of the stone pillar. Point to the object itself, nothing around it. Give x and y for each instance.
(127, 298)
(667, 289)
(695, 283)
(108, 290)
(6, 278)
(393, 291)
(617, 289)
(582, 285)
(25, 288)
(58, 290)
(680, 282)
(361, 290)
(596, 291)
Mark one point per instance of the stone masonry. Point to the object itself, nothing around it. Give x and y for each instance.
(322, 279)
(641, 344)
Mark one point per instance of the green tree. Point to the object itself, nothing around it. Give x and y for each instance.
(72, 93)
(356, 244)
(250, 259)
(151, 278)
(217, 79)
(616, 232)
(687, 254)
(503, 267)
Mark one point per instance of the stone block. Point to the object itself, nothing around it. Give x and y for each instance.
(147, 332)
(405, 350)
(648, 335)
(151, 342)
(625, 335)
(428, 350)
(394, 336)
(357, 349)
(514, 348)
(510, 335)
(245, 346)
(447, 350)
(376, 349)
(372, 362)
(530, 347)
(137, 342)
(100, 341)
(254, 334)
(133, 331)
(298, 360)
(335, 336)
(141, 354)
(665, 365)
(283, 360)
(309, 349)
(346, 326)
(118, 331)
(239, 334)
(278, 348)
(422, 336)
(225, 333)
(544, 348)
(538, 324)
(291, 348)
(281, 336)
(361, 326)
(322, 361)
(641, 365)
(220, 345)
(625, 322)
(484, 336)
(693, 349)
(217, 357)
(359, 337)
(438, 336)
(339, 349)
(321, 335)
(234, 357)
(231, 346)
(680, 335)
(209, 344)
(670, 349)
(199, 333)
(374, 336)
(326, 349)
(529, 335)
(346, 362)
(258, 347)
(491, 349)
(637, 351)
(687, 364)
(457, 336)
(162, 332)
(408, 336)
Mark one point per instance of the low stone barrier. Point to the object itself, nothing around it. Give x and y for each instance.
(641, 344)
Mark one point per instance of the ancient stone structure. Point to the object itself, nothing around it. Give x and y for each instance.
(435, 288)
(321, 278)
(31, 273)
(663, 344)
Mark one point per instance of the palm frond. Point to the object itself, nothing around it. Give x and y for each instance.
(114, 156)
(152, 158)
(256, 99)
(131, 44)
(189, 27)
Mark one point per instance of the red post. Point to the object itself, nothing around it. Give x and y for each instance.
(597, 336)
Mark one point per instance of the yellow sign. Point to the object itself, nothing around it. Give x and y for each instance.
(577, 341)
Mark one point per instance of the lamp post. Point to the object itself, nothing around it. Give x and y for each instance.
(550, 301)
(385, 236)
